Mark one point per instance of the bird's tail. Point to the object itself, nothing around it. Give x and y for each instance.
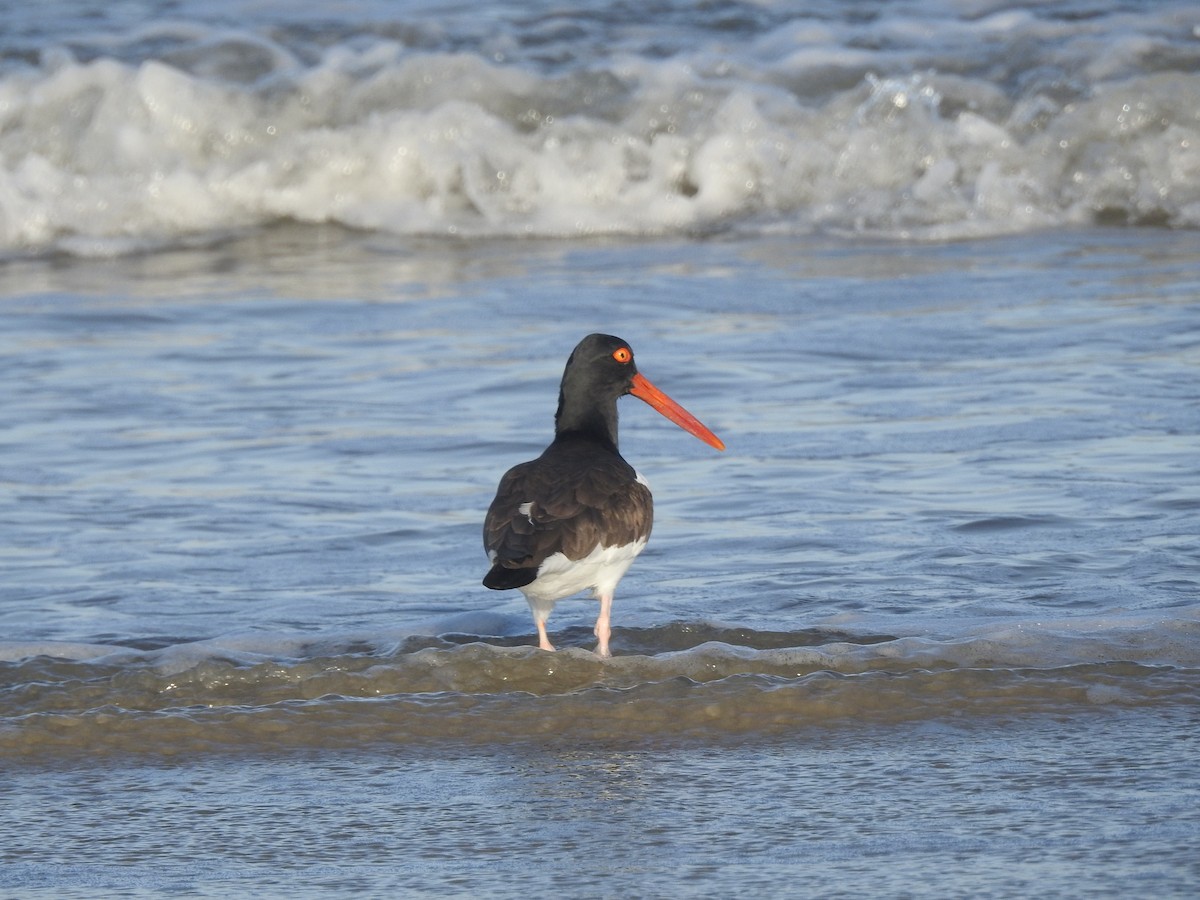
(502, 578)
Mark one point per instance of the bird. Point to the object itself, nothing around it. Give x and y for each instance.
(576, 517)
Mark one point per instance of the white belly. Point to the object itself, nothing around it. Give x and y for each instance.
(598, 572)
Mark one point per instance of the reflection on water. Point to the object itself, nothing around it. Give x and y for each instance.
(1010, 805)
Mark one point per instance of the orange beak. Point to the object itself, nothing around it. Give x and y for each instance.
(644, 390)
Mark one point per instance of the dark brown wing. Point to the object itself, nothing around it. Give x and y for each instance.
(570, 499)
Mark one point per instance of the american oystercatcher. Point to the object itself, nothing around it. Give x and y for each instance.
(576, 517)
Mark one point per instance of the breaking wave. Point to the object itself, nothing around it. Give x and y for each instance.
(895, 123)
(684, 681)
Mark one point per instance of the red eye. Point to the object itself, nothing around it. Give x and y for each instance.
(622, 354)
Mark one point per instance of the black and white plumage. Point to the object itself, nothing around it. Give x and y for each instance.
(576, 517)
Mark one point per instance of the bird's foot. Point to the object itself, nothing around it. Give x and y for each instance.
(602, 636)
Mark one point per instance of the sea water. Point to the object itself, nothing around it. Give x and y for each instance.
(284, 293)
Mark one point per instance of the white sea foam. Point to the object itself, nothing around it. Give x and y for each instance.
(935, 127)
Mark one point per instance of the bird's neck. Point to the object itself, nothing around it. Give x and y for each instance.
(588, 420)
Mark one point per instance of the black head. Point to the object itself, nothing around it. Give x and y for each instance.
(603, 364)
(599, 370)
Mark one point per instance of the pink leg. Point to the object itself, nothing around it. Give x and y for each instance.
(543, 640)
(603, 628)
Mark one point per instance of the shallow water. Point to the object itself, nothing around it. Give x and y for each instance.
(930, 620)
(935, 808)
(962, 431)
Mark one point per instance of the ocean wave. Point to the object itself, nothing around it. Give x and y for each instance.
(195, 132)
(687, 680)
